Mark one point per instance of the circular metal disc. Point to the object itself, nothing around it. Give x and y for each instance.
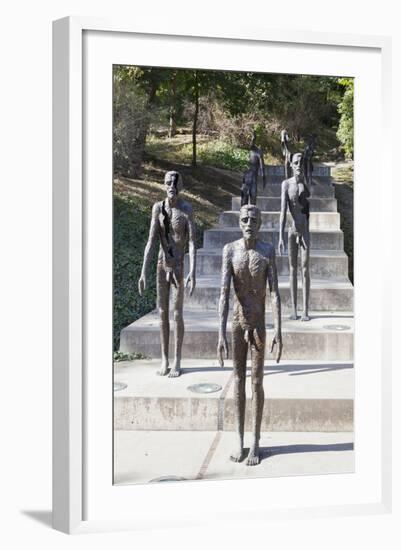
(337, 327)
(117, 386)
(204, 387)
(166, 478)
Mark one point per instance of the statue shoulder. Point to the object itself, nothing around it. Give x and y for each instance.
(228, 249)
(157, 207)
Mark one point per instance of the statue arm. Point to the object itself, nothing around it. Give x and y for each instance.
(262, 169)
(191, 279)
(149, 248)
(226, 274)
(283, 217)
(276, 304)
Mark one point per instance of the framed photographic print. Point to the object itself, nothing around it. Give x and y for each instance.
(214, 293)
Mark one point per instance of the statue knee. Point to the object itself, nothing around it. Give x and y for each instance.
(177, 315)
(257, 384)
(163, 312)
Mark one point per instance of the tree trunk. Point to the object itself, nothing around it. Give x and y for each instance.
(195, 120)
(173, 108)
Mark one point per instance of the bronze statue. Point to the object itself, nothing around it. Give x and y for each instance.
(250, 179)
(250, 263)
(294, 196)
(173, 224)
(308, 165)
(285, 149)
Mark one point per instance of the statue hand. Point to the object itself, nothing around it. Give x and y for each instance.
(141, 284)
(190, 280)
(277, 340)
(281, 247)
(222, 349)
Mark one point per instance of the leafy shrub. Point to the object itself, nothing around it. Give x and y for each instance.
(131, 226)
(345, 132)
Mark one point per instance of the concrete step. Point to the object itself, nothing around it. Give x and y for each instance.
(318, 221)
(328, 336)
(273, 204)
(324, 294)
(319, 190)
(316, 397)
(320, 240)
(324, 264)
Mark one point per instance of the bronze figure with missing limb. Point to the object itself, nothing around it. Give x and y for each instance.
(173, 225)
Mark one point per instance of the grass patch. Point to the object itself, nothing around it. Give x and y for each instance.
(210, 152)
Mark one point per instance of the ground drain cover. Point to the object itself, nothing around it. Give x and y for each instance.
(204, 387)
(337, 327)
(117, 386)
(167, 478)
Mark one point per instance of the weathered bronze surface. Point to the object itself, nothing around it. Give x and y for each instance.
(172, 224)
(249, 263)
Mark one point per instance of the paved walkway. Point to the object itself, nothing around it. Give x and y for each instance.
(144, 456)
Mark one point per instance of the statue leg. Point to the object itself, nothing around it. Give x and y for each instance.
(305, 279)
(178, 294)
(293, 261)
(253, 190)
(240, 350)
(163, 291)
(258, 396)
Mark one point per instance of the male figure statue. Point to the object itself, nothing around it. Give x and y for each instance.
(251, 175)
(173, 224)
(294, 196)
(250, 263)
(285, 149)
(308, 164)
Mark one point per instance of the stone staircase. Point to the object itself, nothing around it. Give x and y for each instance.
(326, 339)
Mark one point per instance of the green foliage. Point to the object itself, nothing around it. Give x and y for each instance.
(223, 155)
(131, 226)
(345, 132)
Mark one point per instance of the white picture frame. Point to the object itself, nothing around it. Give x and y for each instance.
(75, 41)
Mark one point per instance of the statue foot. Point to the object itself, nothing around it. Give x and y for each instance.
(253, 457)
(164, 370)
(237, 456)
(305, 318)
(293, 317)
(174, 372)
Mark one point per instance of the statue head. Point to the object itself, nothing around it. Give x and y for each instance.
(249, 221)
(297, 164)
(173, 183)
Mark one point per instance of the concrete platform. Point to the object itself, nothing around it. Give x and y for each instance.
(323, 264)
(324, 294)
(319, 240)
(318, 221)
(273, 204)
(146, 456)
(299, 396)
(311, 340)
